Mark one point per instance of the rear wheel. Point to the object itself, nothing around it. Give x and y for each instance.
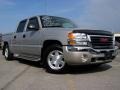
(54, 59)
(8, 55)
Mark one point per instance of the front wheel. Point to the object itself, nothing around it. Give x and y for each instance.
(54, 59)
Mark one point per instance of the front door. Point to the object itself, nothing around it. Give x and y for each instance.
(32, 38)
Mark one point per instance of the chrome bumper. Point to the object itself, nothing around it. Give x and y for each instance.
(86, 55)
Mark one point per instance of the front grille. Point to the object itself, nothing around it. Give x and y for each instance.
(96, 42)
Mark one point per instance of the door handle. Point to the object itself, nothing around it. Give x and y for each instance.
(24, 36)
(14, 37)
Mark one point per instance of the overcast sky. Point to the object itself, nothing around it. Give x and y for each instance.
(90, 14)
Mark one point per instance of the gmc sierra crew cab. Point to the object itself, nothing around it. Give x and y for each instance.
(57, 42)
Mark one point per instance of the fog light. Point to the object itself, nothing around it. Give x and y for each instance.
(85, 58)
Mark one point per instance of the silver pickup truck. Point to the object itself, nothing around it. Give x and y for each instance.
(57, 42)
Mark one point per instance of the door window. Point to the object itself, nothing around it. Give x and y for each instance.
(33, 24)
(117, 39)
(21, 26)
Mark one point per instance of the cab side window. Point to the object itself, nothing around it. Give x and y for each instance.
(117, 39)
(33, 24)
(21, 26)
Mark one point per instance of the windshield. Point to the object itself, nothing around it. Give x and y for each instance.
(52, 21)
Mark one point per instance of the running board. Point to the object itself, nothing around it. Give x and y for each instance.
(28, 57)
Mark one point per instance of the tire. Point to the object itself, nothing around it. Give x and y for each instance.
(8, 55)
(97, 65)
(54, 60)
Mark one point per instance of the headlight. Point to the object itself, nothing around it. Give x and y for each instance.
(77, 39)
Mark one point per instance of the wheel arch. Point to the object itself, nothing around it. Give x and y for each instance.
(48, 43)
(5, 43)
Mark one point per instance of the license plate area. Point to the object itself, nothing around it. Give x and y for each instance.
(108, 54)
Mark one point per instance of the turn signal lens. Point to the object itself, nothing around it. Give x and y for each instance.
(72, 42)
(71, 36)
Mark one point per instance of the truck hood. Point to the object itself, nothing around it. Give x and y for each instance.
(93, 32)
(78, 30)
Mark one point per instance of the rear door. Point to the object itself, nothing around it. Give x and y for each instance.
(17, 38)
(32, 38)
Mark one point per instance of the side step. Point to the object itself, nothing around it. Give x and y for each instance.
(28, 57)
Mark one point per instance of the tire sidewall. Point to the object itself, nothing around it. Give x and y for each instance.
(47, 51)
(9, 56)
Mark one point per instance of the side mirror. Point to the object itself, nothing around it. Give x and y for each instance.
(32, 27)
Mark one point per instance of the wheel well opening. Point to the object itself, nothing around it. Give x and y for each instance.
(4, 45)
(49, 43)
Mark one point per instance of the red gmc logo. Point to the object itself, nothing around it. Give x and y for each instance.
(103, 40)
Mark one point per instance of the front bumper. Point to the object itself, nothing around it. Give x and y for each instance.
(74, 55)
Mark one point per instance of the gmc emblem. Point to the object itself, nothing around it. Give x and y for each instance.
(103, 40)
